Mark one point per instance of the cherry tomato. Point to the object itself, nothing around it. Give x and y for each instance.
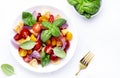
(48, 49)
(37, 27)
(51, 19)
(48, 42)
(69, 36)
(67, 45)
(53, 41)
(22, 52)
(25, 33)
(17, 37)
(27, 59)
(42, 18)
(54, 57)
(38, 45)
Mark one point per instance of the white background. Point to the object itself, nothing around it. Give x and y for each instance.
(100, 34)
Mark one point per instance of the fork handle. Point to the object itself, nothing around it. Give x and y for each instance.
(78, 71)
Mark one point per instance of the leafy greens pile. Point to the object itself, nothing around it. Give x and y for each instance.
(86, 8)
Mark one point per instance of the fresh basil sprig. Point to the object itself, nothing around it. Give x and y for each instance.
(45, 59)
(28, 18)
(53, 29)
(7, 69)
(27, 45)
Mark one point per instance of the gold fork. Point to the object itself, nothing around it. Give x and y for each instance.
(84, 62)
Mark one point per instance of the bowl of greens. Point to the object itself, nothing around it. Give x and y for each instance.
(86, 8)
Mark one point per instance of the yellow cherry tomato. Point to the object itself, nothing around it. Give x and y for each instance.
(22, 52)
(54, 42)
(43, 18)
(69, 36)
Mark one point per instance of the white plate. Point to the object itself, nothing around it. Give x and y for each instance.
(50, 67)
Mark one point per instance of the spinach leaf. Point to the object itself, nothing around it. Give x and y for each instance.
(45, 59)
(28, 18)
(55, 31)
(59, 22)
(45, 35)
(27, 45)
(7, 69)
(59, 52)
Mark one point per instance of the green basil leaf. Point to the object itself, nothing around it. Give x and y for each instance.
(45, 35)
(59, 22)
(7, 69)
(45, 59)
(59, 52)
(55, 31)
(28, 45)
(43, 53)
(46, 24)
(28, 18)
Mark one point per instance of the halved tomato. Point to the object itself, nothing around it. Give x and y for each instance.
(38, 45)
(51, 19)
(17, 37)
(27, 59)
(48, 49)
(25, 33)
(37, 27)
(53, 57)
(67, 45)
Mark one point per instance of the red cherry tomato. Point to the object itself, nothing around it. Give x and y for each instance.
(37, 27)
(51, 19)
(38, 45)
(54, 57)
(25, 33)
(27, 59)
(67, 46)
(17, 37)
(48, 49)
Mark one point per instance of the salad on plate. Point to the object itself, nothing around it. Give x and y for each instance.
(42, 38)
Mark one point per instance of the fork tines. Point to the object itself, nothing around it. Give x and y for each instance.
(87, 58)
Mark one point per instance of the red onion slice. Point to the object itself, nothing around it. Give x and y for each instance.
(64, 26)
(35, 54)
(27, 27)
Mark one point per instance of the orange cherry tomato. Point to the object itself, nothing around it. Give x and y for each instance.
(37, 27)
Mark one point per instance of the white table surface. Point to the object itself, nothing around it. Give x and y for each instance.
(100, 34)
